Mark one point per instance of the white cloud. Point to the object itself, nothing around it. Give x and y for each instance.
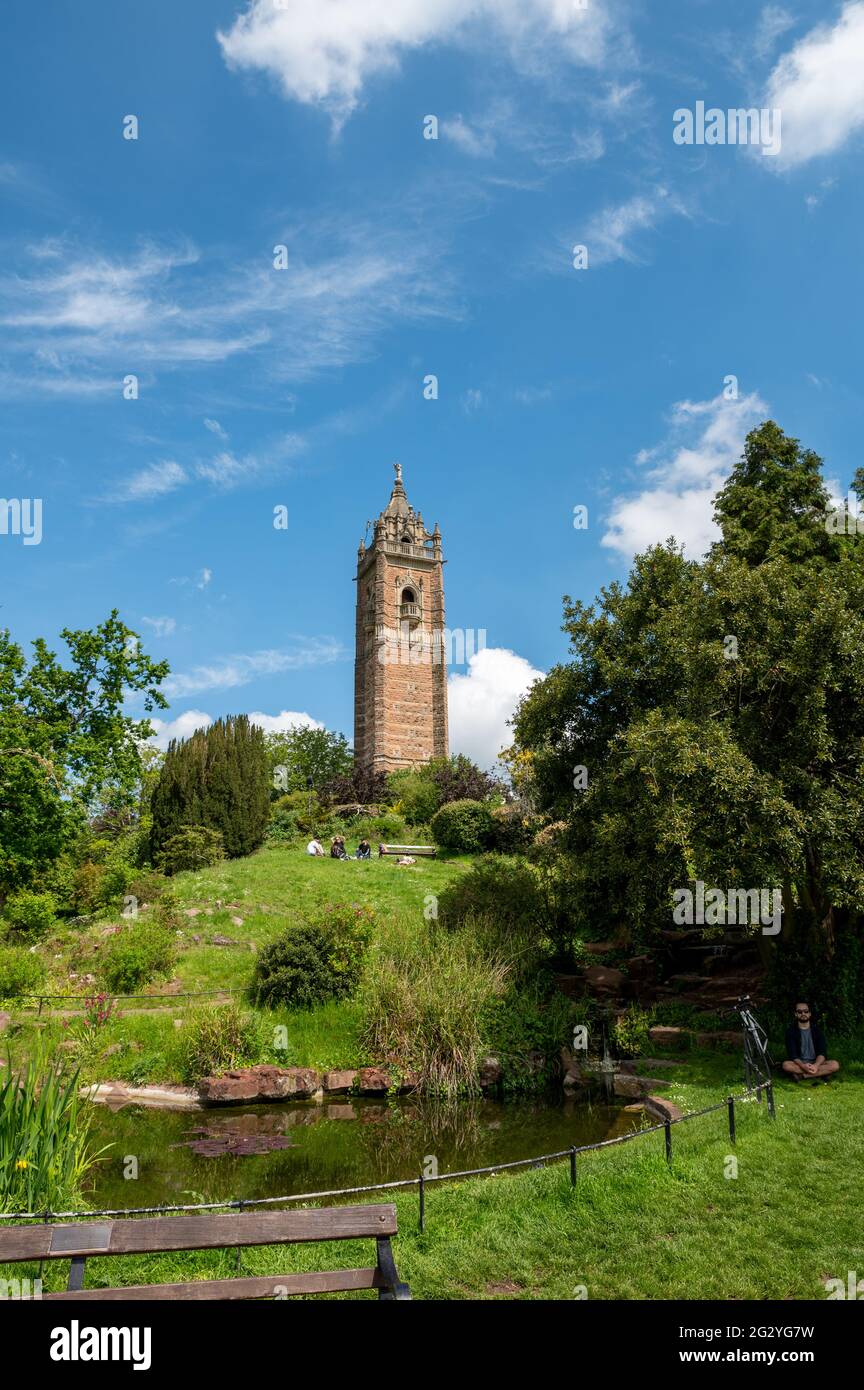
(481, 701)
(185, 724)
(323, 52)
(819, 89)
(286, 719)
(215, 428)
(182, 727)
(226, 673)
(472, 140)
(162, 627)
(205, 577)
(705, 441)
(156, 480)
(609, 233)
(773, 23)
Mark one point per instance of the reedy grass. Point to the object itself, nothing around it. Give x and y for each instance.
(45, 1146)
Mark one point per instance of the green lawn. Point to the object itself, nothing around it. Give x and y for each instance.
(634, 1228)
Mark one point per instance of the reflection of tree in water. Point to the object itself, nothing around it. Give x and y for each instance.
(396, 1138)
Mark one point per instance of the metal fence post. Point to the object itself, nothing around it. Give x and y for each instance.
(422, 1201)
(573, 1166)
(668, 1128)
(731, 1104)
(770, 1090)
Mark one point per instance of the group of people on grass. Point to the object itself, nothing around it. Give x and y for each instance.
(338, 850)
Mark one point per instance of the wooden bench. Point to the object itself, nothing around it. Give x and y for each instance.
(162, 1234)
(428, 850)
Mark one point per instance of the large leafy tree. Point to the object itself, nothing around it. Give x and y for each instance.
(717, 709)
(65, 737)
(300, 754)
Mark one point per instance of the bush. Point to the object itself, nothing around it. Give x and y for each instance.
(305, 809)
(501, 889)
(282, 828)
(87, 889)
(320, 960)
(142, 952)
(414, 795)
(535, 1018)
(512, 830)
(464, 825)
(389, 828)
(21, 972)
(30, 914)
(424, 997)
(147, 886)
(630, 1032)
(216, 1038)
(296, 971)
(193, 847)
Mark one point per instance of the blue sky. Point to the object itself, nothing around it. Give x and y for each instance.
(301, 123)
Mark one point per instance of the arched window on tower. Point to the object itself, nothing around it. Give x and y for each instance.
(409, 608)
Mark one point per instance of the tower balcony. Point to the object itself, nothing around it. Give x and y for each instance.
(411, 611)
(416, 552)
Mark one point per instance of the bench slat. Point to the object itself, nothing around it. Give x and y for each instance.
(163, 1233)
(266, 1286)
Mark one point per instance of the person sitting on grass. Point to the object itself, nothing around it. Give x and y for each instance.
(337, 848)
(315, 847)
(806, 1048)
(364, 850)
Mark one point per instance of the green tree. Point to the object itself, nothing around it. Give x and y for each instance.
(717, 709)
(298, 754)
(65, 736)
(218, 778)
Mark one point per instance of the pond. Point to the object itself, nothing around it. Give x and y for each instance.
(330, 1145)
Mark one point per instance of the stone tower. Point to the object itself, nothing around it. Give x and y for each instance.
(400, 675)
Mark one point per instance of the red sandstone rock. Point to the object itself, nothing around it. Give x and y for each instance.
(338, 1083)
(259, 1084)
(374, 1081)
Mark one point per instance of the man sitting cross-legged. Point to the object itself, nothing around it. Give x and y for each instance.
(806, 1048)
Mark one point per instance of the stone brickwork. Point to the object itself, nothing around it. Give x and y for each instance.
(400, 669)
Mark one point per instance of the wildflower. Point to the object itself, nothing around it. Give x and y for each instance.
(21, 1164)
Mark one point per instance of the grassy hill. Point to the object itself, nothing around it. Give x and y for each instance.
(245, 903)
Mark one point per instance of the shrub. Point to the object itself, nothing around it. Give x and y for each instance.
(142, 952)
(501, 889)
(464, 825)
(87, 890)
(30, 914)
(193, 847)
(534, 1018)
(166, 912)
(630, 1032)
(351, 928)
(296, 970)
(322, 959)
(147, 886)
(414, 794)
(216, 1038)
(282, 828)
(424, 997)
(390, 828)
(512, 830)
(21, 972)
(305, 809)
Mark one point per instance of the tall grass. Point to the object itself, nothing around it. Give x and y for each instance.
(424, 996)
(45, 1144)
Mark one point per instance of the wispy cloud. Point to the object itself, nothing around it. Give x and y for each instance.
(228, 672)
(162, 627)
(612, 234)
(150, 483)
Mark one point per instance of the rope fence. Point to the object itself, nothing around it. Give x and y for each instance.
(421, 1181)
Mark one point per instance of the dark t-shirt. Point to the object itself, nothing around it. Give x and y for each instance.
(794, 1040)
